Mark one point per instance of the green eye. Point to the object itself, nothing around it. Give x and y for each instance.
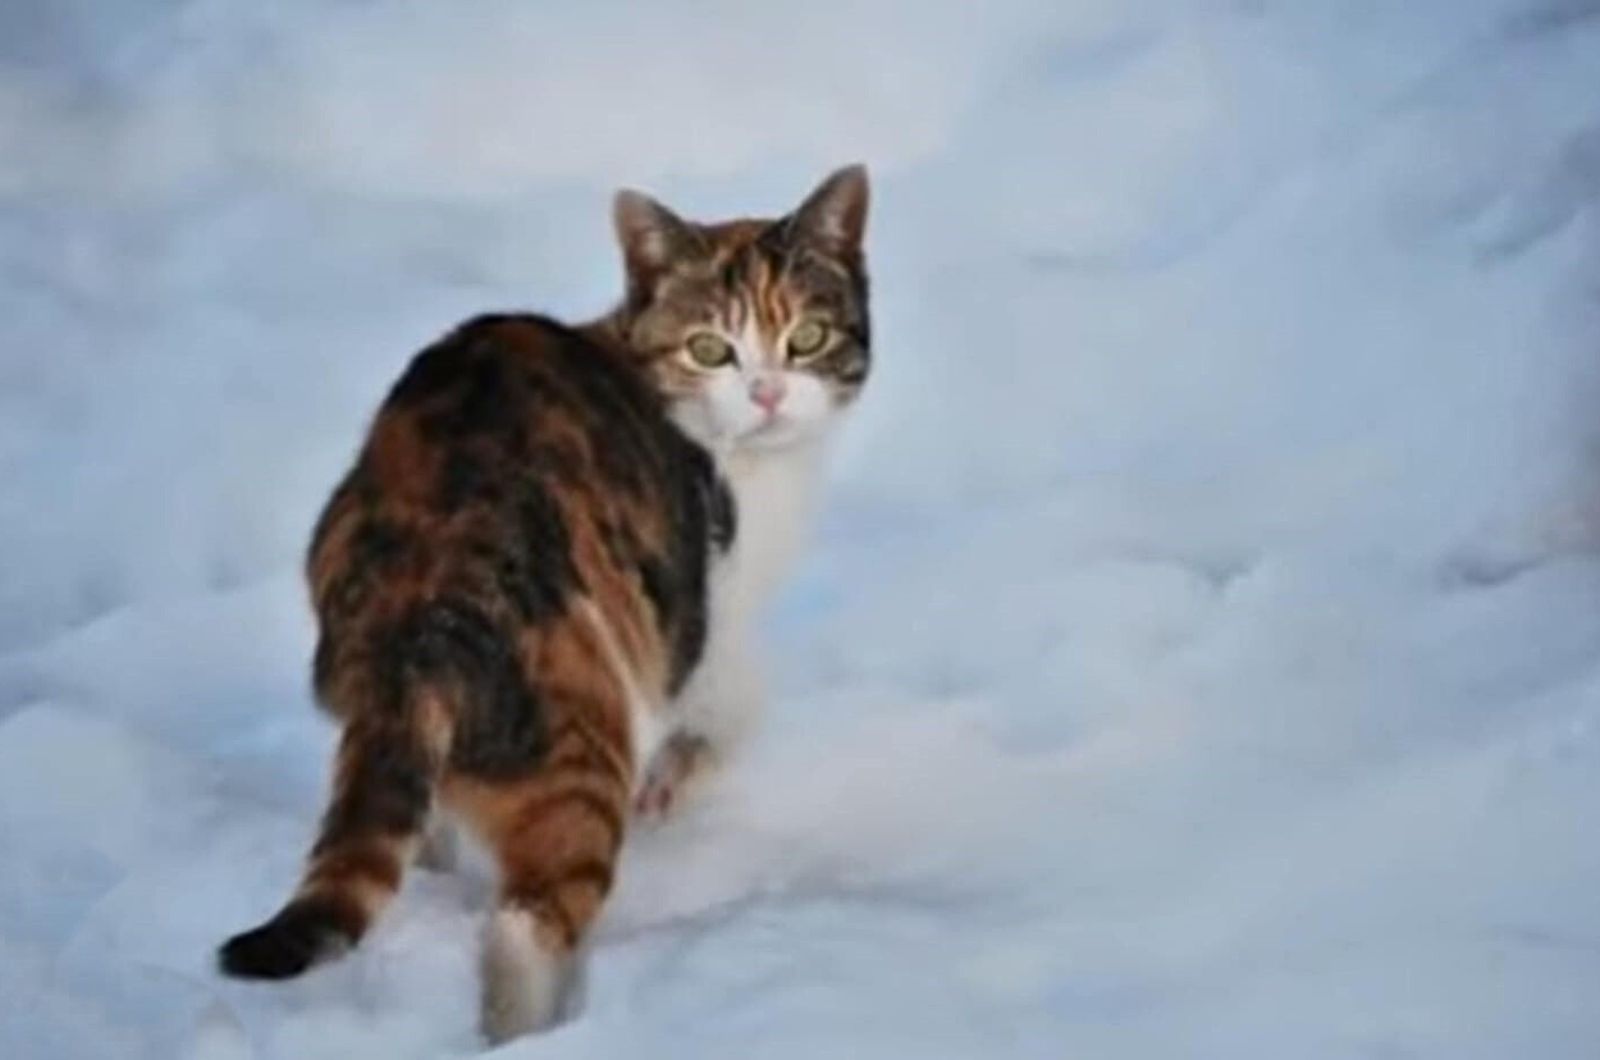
(808, 338)
(708, 350)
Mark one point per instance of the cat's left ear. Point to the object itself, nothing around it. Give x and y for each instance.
(834, 216)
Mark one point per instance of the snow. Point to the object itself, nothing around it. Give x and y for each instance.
(1199, 654)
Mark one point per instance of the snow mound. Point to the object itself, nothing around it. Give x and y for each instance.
(1200, 652)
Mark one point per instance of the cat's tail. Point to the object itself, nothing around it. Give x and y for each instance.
(387, 766)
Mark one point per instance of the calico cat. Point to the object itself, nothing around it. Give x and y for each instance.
(535, 588)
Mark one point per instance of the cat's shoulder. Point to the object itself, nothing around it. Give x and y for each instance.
(484, 345)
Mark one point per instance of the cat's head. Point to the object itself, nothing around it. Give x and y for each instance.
(755, 330)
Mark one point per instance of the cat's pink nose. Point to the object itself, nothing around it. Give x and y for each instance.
(767, 391)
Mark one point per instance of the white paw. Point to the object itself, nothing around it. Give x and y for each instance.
(526, 982)
(679, 762)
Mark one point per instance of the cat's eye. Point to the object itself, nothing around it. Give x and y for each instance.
(708, 350)
(808, 338)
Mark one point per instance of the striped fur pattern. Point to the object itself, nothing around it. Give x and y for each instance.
(517, 582)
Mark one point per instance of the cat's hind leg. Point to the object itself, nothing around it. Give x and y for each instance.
(555, 832)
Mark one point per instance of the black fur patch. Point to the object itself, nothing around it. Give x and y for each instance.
(541, 553)
(724, 515)
(660, 587)
(308, 930)
(453, 645)
(466, 478)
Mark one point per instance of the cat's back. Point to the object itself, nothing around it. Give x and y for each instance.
(512, 411)
(518, 471)
(517, 383)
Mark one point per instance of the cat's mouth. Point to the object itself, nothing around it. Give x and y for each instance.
(773, 432)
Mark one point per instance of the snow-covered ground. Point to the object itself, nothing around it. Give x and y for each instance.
(1200, 656)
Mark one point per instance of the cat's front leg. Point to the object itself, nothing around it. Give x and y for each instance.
(713, 715)
(683, 758)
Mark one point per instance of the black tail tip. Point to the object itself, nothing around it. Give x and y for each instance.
(303, 934)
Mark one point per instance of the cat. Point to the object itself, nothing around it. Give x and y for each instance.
(536, 586)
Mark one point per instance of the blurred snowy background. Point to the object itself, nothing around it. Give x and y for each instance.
(1201, 652)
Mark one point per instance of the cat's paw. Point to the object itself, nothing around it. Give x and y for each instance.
(672, 772)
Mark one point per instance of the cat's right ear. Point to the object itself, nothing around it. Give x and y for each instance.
(652, 238)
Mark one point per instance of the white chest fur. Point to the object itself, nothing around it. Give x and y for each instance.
(775, 492)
